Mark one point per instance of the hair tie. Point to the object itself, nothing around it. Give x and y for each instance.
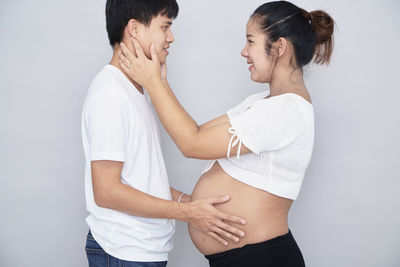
(307, 15)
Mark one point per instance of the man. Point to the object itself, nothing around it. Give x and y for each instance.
(128, 196)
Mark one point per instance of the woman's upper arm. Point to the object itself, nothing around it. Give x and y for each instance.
(213, 141)
(216, 121)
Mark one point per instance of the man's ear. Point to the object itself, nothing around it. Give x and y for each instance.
(132, 28)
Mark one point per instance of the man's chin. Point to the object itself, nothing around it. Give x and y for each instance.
(163, 59)
(163, 56)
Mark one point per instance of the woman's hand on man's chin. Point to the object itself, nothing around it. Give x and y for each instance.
(147, 72)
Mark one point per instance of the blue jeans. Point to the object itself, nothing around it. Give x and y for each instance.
(97, 257)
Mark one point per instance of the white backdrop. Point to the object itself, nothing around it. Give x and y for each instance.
(348, 211)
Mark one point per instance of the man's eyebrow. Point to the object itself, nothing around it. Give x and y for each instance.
(168, 22)
(249, 35)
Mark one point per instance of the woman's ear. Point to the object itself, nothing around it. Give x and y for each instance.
(282, 46)
(132, 28)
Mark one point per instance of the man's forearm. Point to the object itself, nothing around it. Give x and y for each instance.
(129, 200)
(202, 214)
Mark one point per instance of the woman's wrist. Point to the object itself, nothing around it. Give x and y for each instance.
(155, 83)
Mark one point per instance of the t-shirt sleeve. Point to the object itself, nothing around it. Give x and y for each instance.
(268, 125)
(108, 122)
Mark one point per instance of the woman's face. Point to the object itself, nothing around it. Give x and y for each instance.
(261, 64)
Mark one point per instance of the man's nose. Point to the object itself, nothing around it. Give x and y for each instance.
(170, 37)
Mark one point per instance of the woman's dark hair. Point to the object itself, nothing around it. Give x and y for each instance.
(311, 34)
(119, 12)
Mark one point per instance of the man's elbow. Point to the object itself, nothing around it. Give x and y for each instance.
(103, 197)
(100, 200)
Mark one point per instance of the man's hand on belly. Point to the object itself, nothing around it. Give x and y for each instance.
(204, 216)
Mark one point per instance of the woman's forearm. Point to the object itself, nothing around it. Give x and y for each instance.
(178, 123)
(207, 142)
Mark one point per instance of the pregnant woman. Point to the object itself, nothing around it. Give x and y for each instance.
(260, 149)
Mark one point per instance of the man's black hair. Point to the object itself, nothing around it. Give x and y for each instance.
(119, 12)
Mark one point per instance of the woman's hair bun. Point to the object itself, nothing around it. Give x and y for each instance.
(323, 25)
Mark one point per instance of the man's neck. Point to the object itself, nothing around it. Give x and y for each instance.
(115, 62)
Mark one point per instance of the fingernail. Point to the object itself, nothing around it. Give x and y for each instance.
(243, 222)
(236, 239)
(225, 243)
(242, 234)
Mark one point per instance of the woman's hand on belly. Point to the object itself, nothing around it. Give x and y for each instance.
(204, 216)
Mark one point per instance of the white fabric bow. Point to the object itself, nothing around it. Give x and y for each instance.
(233, 142)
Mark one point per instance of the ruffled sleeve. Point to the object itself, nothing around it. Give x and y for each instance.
(268, 125)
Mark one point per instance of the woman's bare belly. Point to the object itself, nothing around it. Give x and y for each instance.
(265, 214)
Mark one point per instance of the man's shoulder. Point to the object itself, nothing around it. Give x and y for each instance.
(107, 83)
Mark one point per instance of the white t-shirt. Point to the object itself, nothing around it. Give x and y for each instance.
(279, 130)
(119, 124)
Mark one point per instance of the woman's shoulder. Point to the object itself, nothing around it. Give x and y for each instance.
(247, 102)
(257, 96)
(286, 101)
(299, 99)
(288, 107)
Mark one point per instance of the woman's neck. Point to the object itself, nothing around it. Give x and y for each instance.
(287, 81)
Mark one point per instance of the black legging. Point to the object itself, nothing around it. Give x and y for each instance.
(281, 251)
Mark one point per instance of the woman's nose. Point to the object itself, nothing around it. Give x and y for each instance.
(244, 52)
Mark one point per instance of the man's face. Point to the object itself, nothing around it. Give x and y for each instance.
(159, 32)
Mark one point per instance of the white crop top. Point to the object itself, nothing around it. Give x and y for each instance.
(279, 130)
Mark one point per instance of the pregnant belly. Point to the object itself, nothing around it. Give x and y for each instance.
(265, 213)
